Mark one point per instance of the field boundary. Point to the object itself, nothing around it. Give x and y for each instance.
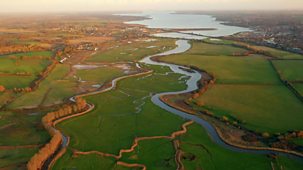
(172, 137)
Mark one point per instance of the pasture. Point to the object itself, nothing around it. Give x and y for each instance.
(133, 51)
(260, 108)
(290, 70)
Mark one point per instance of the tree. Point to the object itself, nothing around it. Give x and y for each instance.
(2, 88)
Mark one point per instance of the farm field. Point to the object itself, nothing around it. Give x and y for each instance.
(134, 51)
(13, 66)
(15, 127)
(233, 70)
(212, 50)
(299, 87)
(201, 153)
(244, 86)
(290, 70)
(54, 85)
(248, 104)
(11, 159)
(279, 53)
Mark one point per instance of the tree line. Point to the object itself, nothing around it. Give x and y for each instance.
(37, 161)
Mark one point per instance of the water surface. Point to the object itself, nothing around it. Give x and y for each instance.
(170, 20)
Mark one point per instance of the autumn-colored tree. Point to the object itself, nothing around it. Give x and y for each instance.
(300, 134)
(38, 159)
(49, 149)
(2, 88)
(196, 95)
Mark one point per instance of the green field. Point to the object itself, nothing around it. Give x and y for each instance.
(54, 86)
(232, 70)
(260, 108)
(12, 159)
(132, 52)
(111, 129)
(18, 129)
(202, 153)
(245, 87)
(215, 50)
(279, 53)
(13, 65)
(290, 70)
(46, 54)
(154, 154)
(86, 162)
(15, 127)
(99, 75)
(299, 87)
(120, 126)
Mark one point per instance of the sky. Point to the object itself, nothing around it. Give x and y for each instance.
(140, 5)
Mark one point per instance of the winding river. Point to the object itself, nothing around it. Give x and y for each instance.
(192, 85)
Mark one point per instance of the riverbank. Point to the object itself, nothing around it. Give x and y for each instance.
(232, 133)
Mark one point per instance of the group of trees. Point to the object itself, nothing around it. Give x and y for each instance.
(9, 49)
(2, 88)
(47, 121)
(253, 50)
(206, 84)
(49, 149)
(22, 90)
(43, 75)
(39, 158)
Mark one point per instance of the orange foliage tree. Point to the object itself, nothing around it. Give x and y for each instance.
(2, 88)
(49, 149)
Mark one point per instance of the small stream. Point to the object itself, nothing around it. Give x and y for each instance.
(192, 85)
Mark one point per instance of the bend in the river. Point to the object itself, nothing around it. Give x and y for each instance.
(192, 85)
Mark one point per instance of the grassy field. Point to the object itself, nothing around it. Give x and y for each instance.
(9, 65)
(86, 162)
(290, 70)
(109, 129)
(201, 153)
(154, 154)
(56, 85)
(12, 159)
(215, 50)
(261, 108)
(99, 75)
(15, 127)
(46, 54)
(18, 129)
(230, 69)
(279, 53)
(120, 126)
(299, 87)
(245, 87)
(132, 52)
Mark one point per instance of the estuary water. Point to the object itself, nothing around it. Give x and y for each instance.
(171, 20)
